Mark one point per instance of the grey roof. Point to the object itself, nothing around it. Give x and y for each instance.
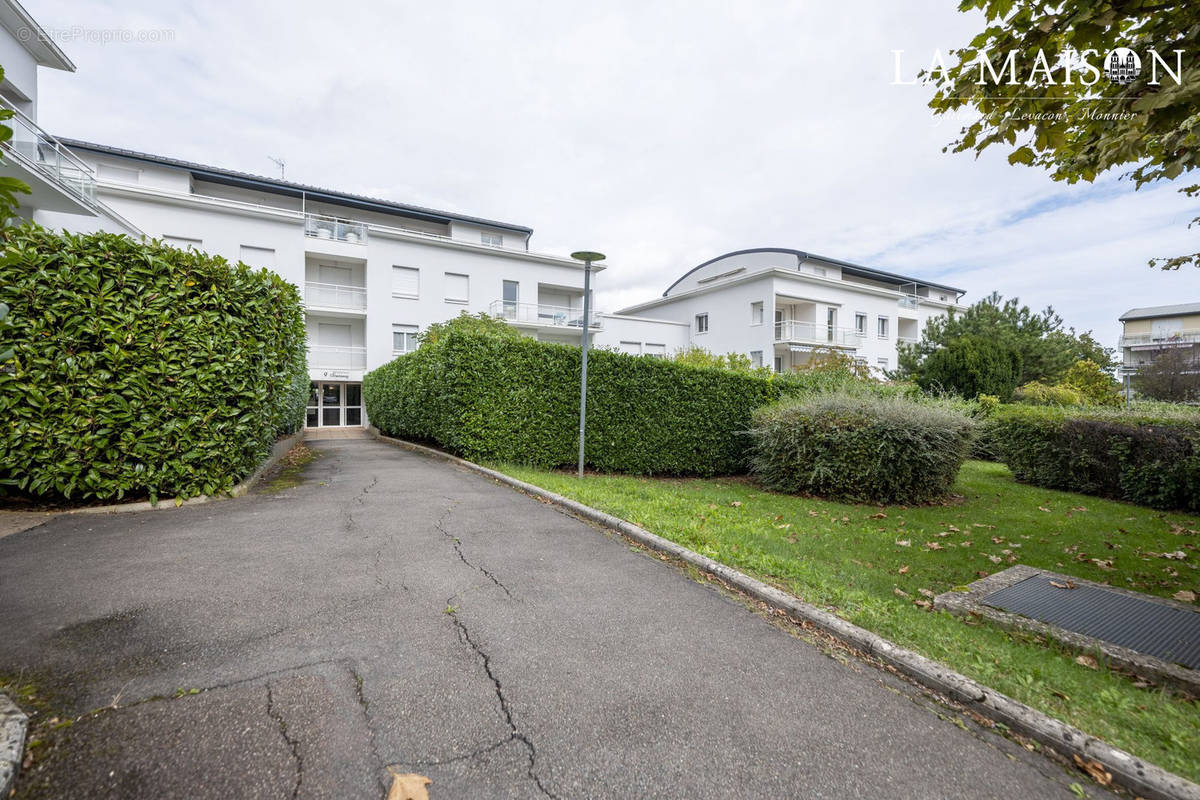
(248, 180)
(1150, 312)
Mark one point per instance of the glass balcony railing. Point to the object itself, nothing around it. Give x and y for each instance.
(319, 226)
(334, 357)
(335, 295)
(814, 333)
(41, 152)
(538, 314)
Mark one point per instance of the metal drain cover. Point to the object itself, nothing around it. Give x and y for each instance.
(1171, 634)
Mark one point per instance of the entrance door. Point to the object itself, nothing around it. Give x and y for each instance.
(334, 405)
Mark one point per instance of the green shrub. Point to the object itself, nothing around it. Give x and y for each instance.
(513, 399)
(1096, 386)
(861, 448)
(1152, 459)
(971, 366)
(139, 368)
(1036, 393)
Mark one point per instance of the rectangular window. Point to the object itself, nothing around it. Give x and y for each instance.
(493, 239)
(779, 363)
(882, 329)
(458, 288)
(182, 242)
(860, 324)
(257, 256)
(702, 323)
(882, 363)
(404, 339)
(406, 282)
(333, 275)
(333, 334)
(115, 174)
(632, 348)
(512, 291)
(655, 350)
(756, 357)
(756, 313)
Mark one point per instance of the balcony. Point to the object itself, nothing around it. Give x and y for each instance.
(1149, 341)
(907, 339)
(319, 226)
(49, 167)
(815, 334)
(908, 301)
(333, 357)
(335, 295)
(538, 314)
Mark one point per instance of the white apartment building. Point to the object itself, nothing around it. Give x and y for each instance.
(780, 306)
(374, 273)
(1148, 332)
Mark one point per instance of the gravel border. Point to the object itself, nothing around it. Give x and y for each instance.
(13, 724)
(1133, 774)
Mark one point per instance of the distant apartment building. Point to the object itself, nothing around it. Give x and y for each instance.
(374, 273)
(1148, 332)
(783, 307)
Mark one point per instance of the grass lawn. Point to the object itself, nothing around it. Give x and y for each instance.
(876, 567)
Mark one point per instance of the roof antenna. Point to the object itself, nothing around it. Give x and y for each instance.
(279, 162)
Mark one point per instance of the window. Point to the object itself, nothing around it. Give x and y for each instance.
(655, 350)
(333, 275)
(333, 334)
(493, 239)
(756, 357)
(182, 242)
(882, 363)
(511, 292)
(860, 324)
(406, 282)
(111, 172)
(458, 288)
(702, 323)
(257, 256)
(779, 363)
(404, 339)
(756, 313)
(882, 329)
(631, 348)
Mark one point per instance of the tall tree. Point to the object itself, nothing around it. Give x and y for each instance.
(1069, 118)
(1047, 348)
(1174, 376)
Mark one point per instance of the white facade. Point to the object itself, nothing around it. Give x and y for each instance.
(780, 306)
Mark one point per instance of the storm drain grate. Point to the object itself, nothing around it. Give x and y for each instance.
(1172, 634)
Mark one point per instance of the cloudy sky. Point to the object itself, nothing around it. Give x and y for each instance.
(661, 133)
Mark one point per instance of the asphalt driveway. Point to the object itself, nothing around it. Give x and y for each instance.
(394, 611)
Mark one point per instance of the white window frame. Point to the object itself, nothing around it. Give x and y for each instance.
(860, 323)
(400, 269)
(630, 348)
(702, 323)
(653, 350)
(882, 364)
(491, 239)
(756, 358)
(409, 332)
(883, 327)
(757, 312)
(457, 300)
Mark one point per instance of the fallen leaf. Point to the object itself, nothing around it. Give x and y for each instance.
(927, 593)
(924, 605)
(812, 513)
(995, 559)
(1178, 555)
(1043, 508)
(934, 546)
(964, 544)
(1060, 695)
(904, 571)
(408, 787)
(1094, 768)
(1087, 661)
(736, 504)
(1079, 508)
(1067, 585)
(953, 529)
(1185, 596)
(1103, 563)
(880, 515)
(896, 590)
(982, 573)
(903, 542)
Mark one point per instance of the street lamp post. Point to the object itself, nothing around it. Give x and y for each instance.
(587, 257)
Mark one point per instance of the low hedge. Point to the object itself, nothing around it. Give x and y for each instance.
(510, 399)
(139, 368)
(860, 448)
(1149, 458)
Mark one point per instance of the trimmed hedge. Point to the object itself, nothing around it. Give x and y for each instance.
(1149, 458)
(971, 366)
(860, 448)
(507, 399)
(141, 369)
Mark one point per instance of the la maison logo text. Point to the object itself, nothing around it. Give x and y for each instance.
(1085, 68)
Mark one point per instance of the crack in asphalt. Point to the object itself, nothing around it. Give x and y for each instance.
(514, 733)
(366, 714)
(440, 524)
(293, 744)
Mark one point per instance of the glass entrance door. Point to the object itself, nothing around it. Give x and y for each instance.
(334, 405)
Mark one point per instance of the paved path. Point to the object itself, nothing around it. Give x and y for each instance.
(395, 610)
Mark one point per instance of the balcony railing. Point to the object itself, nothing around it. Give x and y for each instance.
(813, 333)
(41, 152)
(1161, 340)
(333, 357)
(908, 301)
(538, 314)
(335, 295)
(908, 339)
(320, 226)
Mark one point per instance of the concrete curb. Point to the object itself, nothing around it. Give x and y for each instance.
(13, 724)
(1137, 776)
(278, 451)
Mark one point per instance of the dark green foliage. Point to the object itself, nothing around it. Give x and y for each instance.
(512, 399)
(861, 448)
(139, 368)
(1173, 376)
(1152, 459)
(971, 366)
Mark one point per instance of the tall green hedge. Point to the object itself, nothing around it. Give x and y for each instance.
(517, 400)
(139, 368)
(860, 447)
(971, 366)
(1150, 458)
